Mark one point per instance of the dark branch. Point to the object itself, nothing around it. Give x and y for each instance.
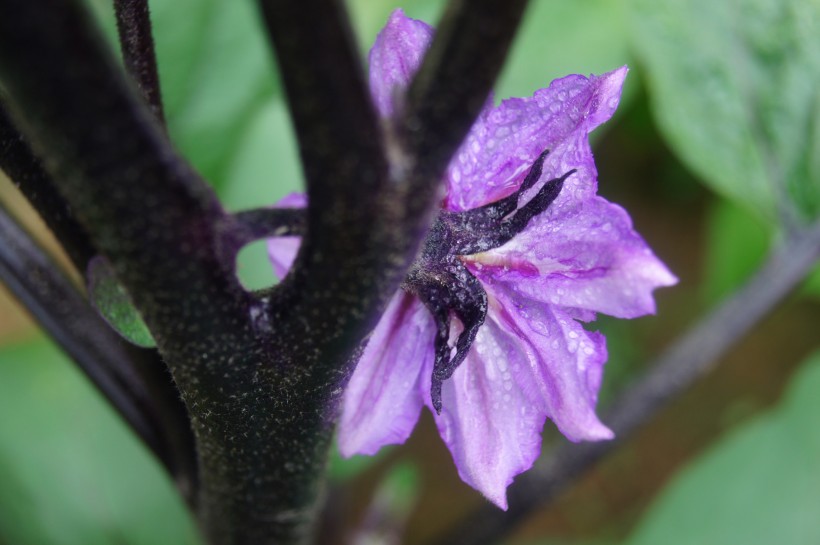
(355, 249)
(272, 222)
(137, 45)
(17, 160)
(54, 302)
(689, 358)
(455, 79)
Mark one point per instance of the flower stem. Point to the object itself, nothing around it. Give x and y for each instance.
(690, 357)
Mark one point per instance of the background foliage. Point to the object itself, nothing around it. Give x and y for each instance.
(715, 152)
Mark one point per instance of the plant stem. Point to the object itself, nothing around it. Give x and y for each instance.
(261, 377)
(137, 46)
(20, 164)
(690, 357)
(272, 222)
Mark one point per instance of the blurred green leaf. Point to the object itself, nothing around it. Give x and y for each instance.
(216, 70)
(812, 285)
(563, 37)
(737, 242)
(759, 485)
(342, 469)
(72, 473)
(734, 88)
(369, 16)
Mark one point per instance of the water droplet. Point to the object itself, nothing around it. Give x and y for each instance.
(502, 365)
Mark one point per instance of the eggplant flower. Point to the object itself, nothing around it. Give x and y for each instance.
(487, 329)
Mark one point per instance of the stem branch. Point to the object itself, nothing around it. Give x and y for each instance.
(137, 45)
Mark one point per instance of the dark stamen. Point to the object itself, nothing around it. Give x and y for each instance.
(450, 289)
(503, 207)
(494, 224)
(445, 285)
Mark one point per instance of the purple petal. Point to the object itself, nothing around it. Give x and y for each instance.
(528, 362)
(282, 250)
(590, 259)
(491, 420)
(382, 402)
(566, 362)
(505, 141)
(395, 57)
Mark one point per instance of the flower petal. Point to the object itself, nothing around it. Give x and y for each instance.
(505, 141)
(490, 420)
(590, 258)
(566, 361)
(282, 250)
(382, 402)
(395, 57)
(528, 362)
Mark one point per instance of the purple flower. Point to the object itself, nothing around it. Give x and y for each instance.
(521, 255)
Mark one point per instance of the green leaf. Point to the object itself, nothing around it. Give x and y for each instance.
(737, 243)
(759, 485)
(812, 285)
(734, 89)
(71, 472)
(112, 302)
(216, 69)
(343, 469)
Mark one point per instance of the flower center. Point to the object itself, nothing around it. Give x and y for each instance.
(443, 283)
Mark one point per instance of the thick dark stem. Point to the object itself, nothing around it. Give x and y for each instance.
(137, 45)
(688, 359)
